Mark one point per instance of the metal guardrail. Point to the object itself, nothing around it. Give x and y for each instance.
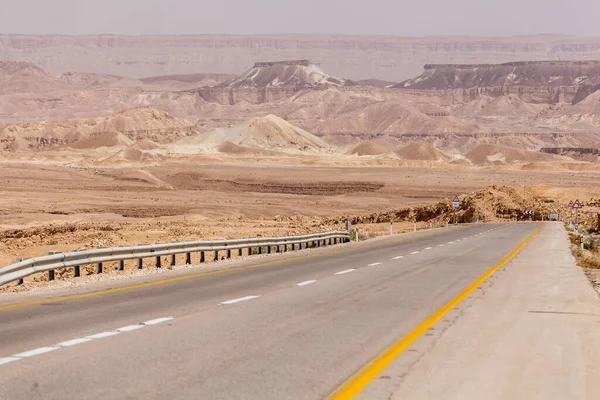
(75, 259)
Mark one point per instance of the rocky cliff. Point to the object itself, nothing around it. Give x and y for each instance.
(536, 74)
(353, 57)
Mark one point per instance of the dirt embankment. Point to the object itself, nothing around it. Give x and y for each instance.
(495, 203)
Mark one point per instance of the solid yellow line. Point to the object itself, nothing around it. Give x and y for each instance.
(180, 278)
(353, 385)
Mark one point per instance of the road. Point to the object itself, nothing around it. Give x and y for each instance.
(288, 330)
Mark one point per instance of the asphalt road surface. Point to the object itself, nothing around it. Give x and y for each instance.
(288, 330)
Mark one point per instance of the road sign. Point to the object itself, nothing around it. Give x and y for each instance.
(577, 204)
(571, 204)
(529, 212)
(456, 202)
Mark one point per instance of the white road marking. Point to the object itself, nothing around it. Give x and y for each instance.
(440, 245)
(7, 360)
(238, 300)
(415, 252)
(306, 282)
(36, 352)
(374, 264)
(428, 248)
(397, 257)
(158, 320)
(450, 242)
(73, 342)
(345, 271)
(464, 238)
(130, 328)
(102, 335)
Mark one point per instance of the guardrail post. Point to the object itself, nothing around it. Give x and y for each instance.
(158, 262)
(76, 271)
(121, 265)
(51, 275)
(240, 252)
(216, 255)
(140, 263)
(268, 249)
(99, 268)
(188, 258)
(173, 260)
(201, 256)
(228, 253)
(260, 250)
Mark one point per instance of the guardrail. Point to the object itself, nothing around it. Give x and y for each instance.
(76, 259)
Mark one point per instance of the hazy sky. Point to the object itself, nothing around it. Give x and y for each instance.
(388, 17)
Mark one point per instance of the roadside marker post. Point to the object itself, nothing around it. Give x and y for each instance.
(570, 212)
(455, 205)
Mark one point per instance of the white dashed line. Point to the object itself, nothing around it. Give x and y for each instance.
(73, 342)
(374, 264)
(157, 321)
(415, 252)
(36, 352)
(102, 335)
(238, 300)
(450, 242)
(130, 328)
(464, 238)
(440, 245)
(306, 282)
(428, 248)
(345, 271)
(397, 257)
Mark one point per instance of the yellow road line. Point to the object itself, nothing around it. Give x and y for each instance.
(353, 385)
(180, 278)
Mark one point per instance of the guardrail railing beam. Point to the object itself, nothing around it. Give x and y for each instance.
(77, 258)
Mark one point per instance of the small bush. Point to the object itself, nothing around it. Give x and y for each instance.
(591, 246)
(548, 201)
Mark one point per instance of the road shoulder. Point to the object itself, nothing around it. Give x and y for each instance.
(531, 332)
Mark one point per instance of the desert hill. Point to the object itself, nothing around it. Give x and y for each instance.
(21, 77)
(143, 151)
(197, 80)
(267, 133)
(134, 124)
(369, 148)
(538, 73)
(282, 74)
(89, 80)
(489, 155)
(421, 151)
